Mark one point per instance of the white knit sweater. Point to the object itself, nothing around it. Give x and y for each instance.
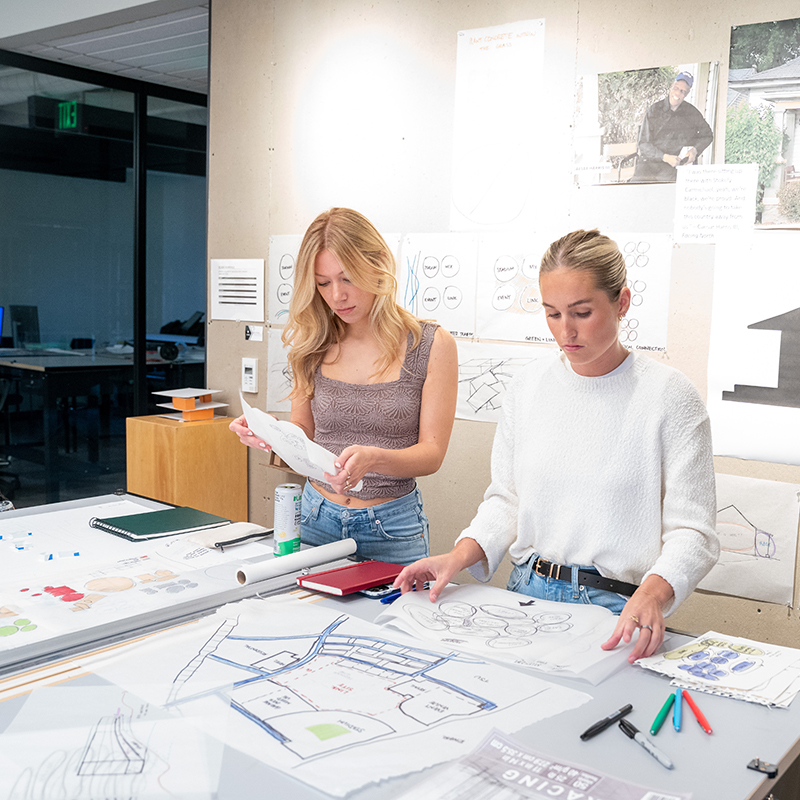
(614, 472)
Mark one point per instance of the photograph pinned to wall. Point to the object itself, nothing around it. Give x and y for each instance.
(649, 123)
(282, 262)
(279, 376)
(763, 115)
(496, 139)
(753, 369)
(509, 306)
(436, 279)
(648, 260)
(485, 370)
(757, 527)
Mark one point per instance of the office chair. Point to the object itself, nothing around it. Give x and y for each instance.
(9, 481)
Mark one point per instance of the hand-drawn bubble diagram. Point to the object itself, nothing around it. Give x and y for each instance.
(740, 537)
(636, 259)
(499, 626)
(285, 287)
(430, 296)
(716, 659)
(517, 285)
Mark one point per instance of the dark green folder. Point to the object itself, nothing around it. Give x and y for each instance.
(156, 524)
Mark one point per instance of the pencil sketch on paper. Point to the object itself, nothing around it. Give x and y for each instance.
(739, 536)
(482, 382)
(112, 750)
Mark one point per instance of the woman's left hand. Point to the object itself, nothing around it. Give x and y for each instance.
(643, 612)
(354, 462)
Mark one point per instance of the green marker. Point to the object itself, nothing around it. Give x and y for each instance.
(662, 715)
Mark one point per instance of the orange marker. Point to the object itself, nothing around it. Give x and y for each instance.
(697, 712)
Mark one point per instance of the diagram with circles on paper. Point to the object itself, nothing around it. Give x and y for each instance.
(280, 282)
(436, 279)
(648, 260)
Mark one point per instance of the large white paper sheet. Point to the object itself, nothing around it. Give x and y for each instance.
(485, 370)
(509, 305)
(334, 701)
(648, 260)
(86, 743)
(757, 527)
(281, 264)
(561, 638)
(436, 279)
(496, 151)
(753, 371)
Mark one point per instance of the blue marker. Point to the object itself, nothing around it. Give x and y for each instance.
(390, 598)
(676, 714)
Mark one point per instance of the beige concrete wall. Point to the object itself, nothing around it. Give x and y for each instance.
(320, 103)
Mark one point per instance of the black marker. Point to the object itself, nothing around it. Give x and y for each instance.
(598, 727)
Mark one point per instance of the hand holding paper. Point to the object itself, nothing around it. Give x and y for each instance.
(292, 445)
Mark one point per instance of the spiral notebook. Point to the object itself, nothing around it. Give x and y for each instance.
(156, 524)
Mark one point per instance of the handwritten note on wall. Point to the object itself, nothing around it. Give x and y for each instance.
(714, 200)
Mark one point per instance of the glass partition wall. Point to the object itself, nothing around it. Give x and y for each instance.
(102, 255)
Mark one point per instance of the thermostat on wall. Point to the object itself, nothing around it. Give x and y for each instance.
(250, 375)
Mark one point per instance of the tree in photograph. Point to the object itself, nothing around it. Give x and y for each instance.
(624, 97)
(752, 138)
(764, 45)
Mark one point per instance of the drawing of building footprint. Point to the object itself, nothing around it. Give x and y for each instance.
(501, 627)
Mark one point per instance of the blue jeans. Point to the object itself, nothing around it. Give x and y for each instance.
(524, 580)
(395, 531)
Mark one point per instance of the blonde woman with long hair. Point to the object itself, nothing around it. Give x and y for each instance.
(372, 384)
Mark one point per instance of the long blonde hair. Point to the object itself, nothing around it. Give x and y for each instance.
(369, 264)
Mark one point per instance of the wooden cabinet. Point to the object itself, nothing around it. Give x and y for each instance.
(199, 464)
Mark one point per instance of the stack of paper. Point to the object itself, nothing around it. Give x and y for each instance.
(730, 666)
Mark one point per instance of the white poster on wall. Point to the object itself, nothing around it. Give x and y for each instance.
(753, 367)
(757, 528)
(648, 261)
(485, 370)
(282, 262)
(237, 289)
(509, 306)
(279, 378)
(437, 279)
(499, 73)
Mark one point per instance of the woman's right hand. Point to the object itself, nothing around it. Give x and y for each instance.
(246, 436)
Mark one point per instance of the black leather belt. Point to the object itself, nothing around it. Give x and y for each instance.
(559, 572)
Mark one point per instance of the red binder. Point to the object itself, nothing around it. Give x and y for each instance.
(352, 578)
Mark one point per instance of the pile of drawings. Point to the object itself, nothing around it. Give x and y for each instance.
(730, 666)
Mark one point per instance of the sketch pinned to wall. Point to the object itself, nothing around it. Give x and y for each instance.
(648, 260)
(282, 262)
(754, 350)
(757, 527)
(437, 279)
(279, 378)
(509, 306)
(485, 370)
(496, 126)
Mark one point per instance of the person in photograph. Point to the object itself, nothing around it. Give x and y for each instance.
(372, 384)
(603, 488)
(673, 133)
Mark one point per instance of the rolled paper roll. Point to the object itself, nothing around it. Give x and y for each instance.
(281, 565)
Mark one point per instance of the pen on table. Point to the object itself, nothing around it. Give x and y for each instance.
(390, 598)
(697, 712)
(662, 715)
(676, 714)
(606, 722)
(632, 732)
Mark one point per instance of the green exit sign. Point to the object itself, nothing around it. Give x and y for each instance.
(68, 115)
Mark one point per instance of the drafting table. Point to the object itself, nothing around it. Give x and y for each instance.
(710, 767)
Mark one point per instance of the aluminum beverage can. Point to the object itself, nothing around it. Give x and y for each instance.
(286, 535)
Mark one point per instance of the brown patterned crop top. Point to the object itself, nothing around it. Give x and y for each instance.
(375, 414)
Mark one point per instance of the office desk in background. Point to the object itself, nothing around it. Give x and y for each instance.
(56, 376)
(710, 767)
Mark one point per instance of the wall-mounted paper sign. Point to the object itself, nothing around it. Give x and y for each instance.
(237, 289)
